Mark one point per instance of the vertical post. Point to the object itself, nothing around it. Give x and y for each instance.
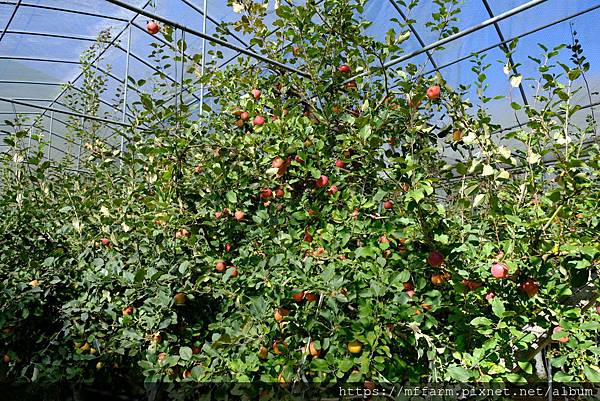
(176, 73)
(125, 88)
(204, 9)
(50, 137)
(182, 66)
(80, 142)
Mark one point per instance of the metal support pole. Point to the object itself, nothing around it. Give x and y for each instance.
(80, 142)
(10, 20)
(214, 39)
(50, 134)
(505, 48)
(455, 36)
(125, 87)
(204, 12)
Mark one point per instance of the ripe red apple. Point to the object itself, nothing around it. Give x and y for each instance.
(388, 204)
(198, 169)
(351, 85)
(307, 236)
(256, 93)
(227, 247)
(435, 259)
(218, 215)
(266, 193)
(277, 162)
(471, 284)
(333, 189)
(239, 123)
(410, 293)
(598, 309)
(244, 116)
(340, 164)
(344, 68)
(499, 270)
(384, 240)
(530, 287)
(234, 271)
(408, 286)
(490, 295)
(298, 296)
(558, 329)
(322, 181)
(310, 297)
(105, 241)
(220, 266)
(279, 192)
(239, 215)
(128, 310)
(258, 120)
(296, 50)
(152, 27)
(180, 298)
(433, 92)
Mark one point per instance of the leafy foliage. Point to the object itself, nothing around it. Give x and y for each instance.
(92, 264)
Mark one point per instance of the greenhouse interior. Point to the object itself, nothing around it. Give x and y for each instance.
(299, 199)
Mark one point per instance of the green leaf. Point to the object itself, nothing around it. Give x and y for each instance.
(481, 321)
(231, 197)
(592, 374)
(185, 353)
(498, 307)
(458, 373)
(479, 199)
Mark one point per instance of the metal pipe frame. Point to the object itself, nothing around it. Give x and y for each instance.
(65, 10)
(210, 38)
(112, 42)
(67, 112)
(414, 31)
(10, 19)
(205, 16)
(92, 39)
(43, 83)
(505, 48)
(522, 35)
(455, 36)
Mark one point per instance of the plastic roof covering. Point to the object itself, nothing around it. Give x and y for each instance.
(29, 53)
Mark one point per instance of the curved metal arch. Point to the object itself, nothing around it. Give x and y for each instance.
(414, 31)
(10, 19)
(505, 48)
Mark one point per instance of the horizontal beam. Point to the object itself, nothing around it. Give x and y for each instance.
(455, 36)
(69, 113)
(210, 38)
(8, 82)
(522, 35)
(65, 10)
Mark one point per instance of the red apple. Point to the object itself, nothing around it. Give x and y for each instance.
(598, 309)
(258, 120)
(220, 266)
(499, 270)
(256, 93)
(266, 193)
(310, 297)
(307, 236)
(198, 169)
(435, 259)
(244, 116)
(239, 215)
(227, 247)
(558, 329)
(298, 296)
(218, 215)
(127, 311)
(408, 286)
(344, 68)
(333, 189)
(388, 204)
(234, 271)
(384, 240)
(490, 295)
(279, 193)
(340, 164)
(471, 284)
(530, 287)
(433, 92)
(277, 162)
(105, 241)
(152, 27)
(351, 85)
(322, 181)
